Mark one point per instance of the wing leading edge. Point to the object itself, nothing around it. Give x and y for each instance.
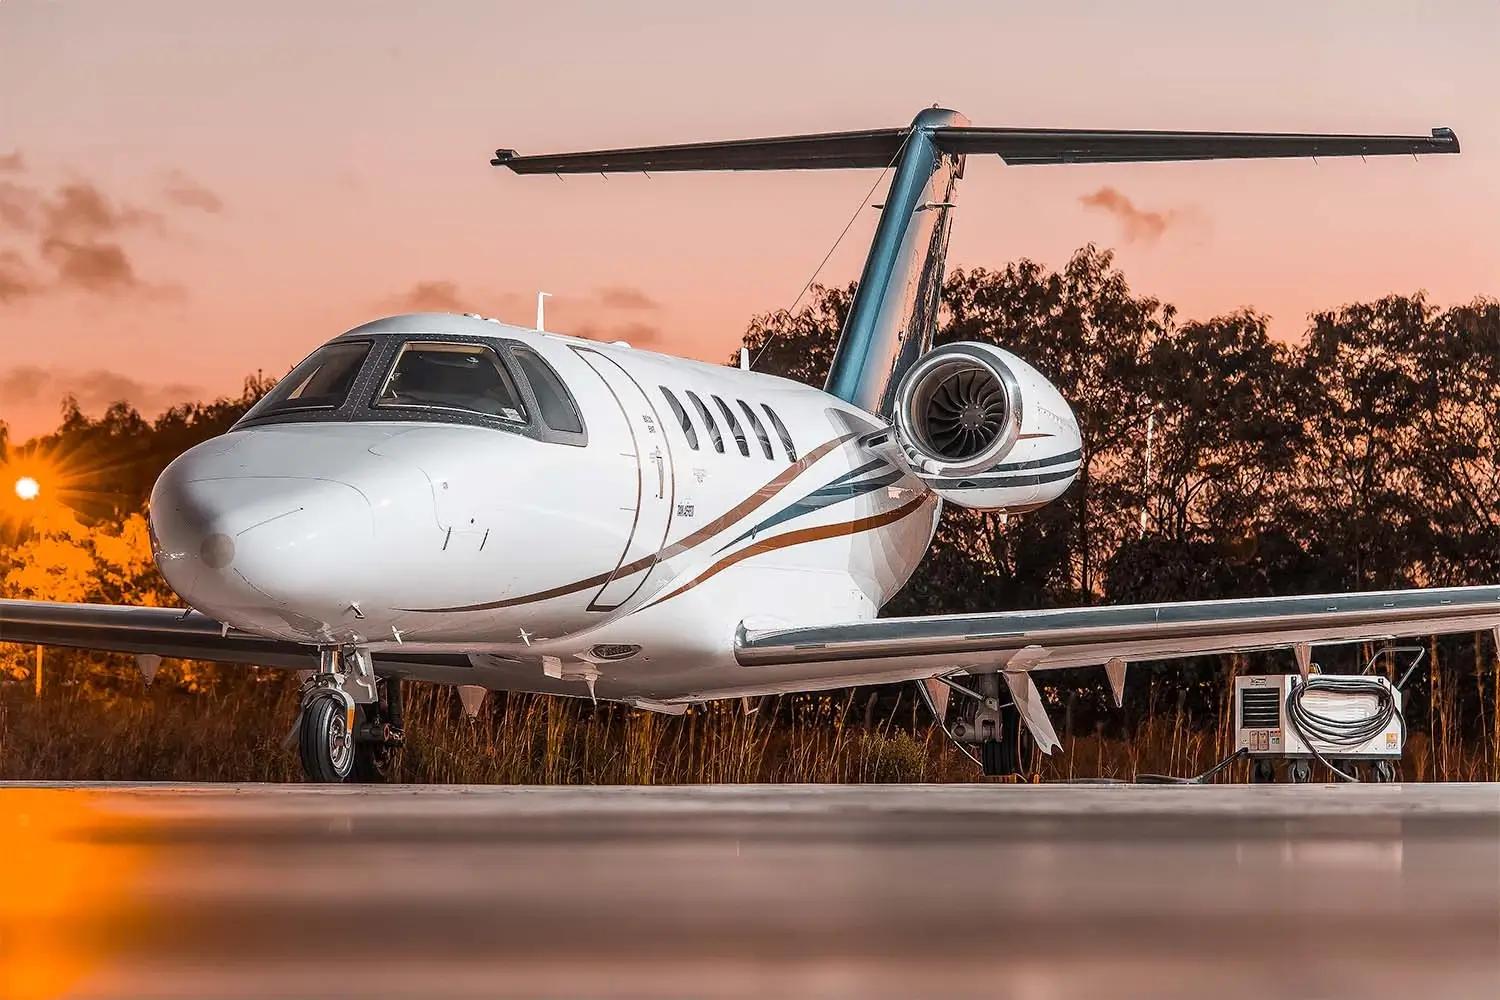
(1072, 637)
(172, 632)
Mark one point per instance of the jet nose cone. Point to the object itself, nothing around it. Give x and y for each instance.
(249, 547)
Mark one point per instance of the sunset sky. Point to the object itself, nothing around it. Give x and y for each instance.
(193, 191)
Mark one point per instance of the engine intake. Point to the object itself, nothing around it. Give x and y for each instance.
(985, 429)
(959, 409)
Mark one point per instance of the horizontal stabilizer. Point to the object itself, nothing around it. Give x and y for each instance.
(826, 150)
(1018, 146)
(879, 148)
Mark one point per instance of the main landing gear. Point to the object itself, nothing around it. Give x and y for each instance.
(992, 724)
(350, 725)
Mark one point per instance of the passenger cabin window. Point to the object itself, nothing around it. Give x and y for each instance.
(466, 377)
(682, 418)
(559, 412)
(734, 427)
(758, 427)
(781, 432)
(708, 421)
(321, 382)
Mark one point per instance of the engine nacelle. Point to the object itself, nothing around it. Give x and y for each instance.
(984, 429)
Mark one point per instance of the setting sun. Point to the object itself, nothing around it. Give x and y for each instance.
(28, 488)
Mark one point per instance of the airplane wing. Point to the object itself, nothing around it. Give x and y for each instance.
(173, 632)
(1019, 641)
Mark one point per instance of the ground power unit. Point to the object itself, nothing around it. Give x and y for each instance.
(1341, 720)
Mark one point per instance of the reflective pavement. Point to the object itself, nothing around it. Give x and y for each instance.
(1034, 892)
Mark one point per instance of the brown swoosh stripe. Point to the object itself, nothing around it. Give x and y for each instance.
(718, 524)
(802, 535)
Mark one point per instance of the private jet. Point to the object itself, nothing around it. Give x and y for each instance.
(454, 500)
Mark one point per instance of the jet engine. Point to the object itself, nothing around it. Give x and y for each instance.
(984, 429)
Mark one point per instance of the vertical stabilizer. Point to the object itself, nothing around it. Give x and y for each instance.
(895, 308)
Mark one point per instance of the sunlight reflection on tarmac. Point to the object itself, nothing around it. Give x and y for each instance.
(1039, 893)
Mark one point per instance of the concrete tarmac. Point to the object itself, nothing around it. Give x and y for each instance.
(1034, 892)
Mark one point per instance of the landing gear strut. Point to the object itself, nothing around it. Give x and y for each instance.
(350, 726)
(994, 725)
(378, 739)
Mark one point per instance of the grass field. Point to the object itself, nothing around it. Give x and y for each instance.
(231, 726)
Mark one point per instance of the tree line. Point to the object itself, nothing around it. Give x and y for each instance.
(1362, 457)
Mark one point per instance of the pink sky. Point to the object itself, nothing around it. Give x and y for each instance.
(273, 173)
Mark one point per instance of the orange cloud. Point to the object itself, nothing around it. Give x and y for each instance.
(1136, 223)
(429, 296)
(67, 230)
(184, 191)
(94, 267)
(94, 389)
(16, 278)
(625, 297)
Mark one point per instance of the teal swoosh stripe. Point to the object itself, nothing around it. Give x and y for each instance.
(987, 482)
(1036, 463)
(835, 492)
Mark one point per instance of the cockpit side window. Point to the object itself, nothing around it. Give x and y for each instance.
(708, 421)
(682, 418)
(559, 412)
(451, 376)
(321, 382)
(734, 427)
(758, 427)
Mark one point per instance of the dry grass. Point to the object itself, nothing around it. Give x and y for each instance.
(107, 726)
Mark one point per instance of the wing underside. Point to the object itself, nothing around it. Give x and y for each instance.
(179, 634)
(1071, 637)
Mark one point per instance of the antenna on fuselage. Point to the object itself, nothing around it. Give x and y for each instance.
(541, 308)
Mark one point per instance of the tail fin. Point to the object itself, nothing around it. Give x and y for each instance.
(894, 312)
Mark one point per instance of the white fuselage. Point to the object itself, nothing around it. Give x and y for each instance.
(632, 557)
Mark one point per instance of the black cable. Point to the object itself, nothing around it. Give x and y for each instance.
(1314, 728)
(1201, 779)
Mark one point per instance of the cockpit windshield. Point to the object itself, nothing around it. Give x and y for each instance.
(322, 382)
(452, 376)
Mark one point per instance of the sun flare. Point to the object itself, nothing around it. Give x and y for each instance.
(27, 488)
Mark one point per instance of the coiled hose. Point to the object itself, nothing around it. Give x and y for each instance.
(1315, 728)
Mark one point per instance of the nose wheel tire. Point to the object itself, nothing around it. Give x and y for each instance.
(325, 740)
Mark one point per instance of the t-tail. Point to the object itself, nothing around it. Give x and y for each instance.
(895, 309)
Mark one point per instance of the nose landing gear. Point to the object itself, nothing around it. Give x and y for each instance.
(325, 738)
(350, 725)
